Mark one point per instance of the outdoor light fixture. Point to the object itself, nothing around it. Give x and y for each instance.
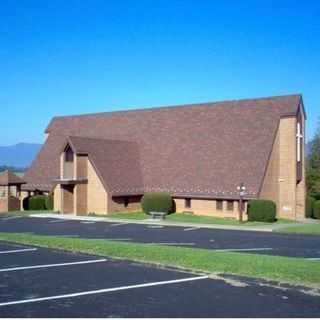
(242, 191)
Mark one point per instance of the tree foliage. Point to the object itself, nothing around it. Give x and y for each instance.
(313, 167)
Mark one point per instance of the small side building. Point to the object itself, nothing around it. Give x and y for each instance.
(10, 191)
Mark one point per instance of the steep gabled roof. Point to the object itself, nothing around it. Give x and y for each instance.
(8, 178)
(116, 162)
(202, 150)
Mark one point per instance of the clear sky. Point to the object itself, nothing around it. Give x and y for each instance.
(69, 57)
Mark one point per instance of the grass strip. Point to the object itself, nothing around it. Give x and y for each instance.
(192, 218)
(290, 270)
(306, 229)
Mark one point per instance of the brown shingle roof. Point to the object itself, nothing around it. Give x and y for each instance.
(8, 178)
(116, 162)
(202, 150)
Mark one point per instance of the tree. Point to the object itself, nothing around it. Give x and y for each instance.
(313, 167)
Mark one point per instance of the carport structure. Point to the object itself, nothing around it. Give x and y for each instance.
(10, 191)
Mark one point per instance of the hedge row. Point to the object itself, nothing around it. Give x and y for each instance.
(316, 209)
(258, 210)
(312, 208)
(39, 202)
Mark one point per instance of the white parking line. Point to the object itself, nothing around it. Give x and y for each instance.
(313, 259)
(118, 224)
(173, 243)
(52, 265)
(155, 227)
(244, 249)
(85, 293)
(117, 239)
(67, 235)
(190, 229)
(87, 222)
(57, 221)
(11, 218)
(18, 250)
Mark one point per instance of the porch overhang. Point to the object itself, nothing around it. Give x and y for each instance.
(65, 182)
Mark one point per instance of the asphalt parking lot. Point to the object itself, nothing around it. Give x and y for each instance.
(291, 245)
(39, 282)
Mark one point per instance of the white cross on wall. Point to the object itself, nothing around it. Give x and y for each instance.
(299, 138)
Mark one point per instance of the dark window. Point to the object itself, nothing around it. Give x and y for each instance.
(126, 201)
(219, 205)
(230, 205)
(187, 203)
(69, 155)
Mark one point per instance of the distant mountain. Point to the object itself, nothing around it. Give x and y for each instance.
(19, 155)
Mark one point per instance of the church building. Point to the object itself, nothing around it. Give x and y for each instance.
(199, 153)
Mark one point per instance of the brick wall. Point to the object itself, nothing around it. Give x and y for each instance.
(117, 204)
(97, 195)
(57, 198)
(280, 183)
(81, 190)
(67, 199)
(270, 186)
(82, 166)
(13, 203)
(80, 198)
(209, 208)
(3, 205)
(301, 186)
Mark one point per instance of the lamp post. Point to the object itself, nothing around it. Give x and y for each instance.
(242, 191)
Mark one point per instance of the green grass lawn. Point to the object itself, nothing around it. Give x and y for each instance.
(283, 269)
(191, 218)
(305, 229)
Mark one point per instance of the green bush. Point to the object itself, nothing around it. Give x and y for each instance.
(37, 202)
(25, 203)
(262, 210)
(316, 209)
(49, 202)
(309, 206)
(157, 202)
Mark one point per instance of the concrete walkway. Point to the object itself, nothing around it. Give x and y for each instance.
(262, 228)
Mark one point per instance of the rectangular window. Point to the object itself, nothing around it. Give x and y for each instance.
(219, 205)
(187, 203)
(230, 205)
(69, 155)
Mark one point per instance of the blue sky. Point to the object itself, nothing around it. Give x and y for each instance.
(70, 57)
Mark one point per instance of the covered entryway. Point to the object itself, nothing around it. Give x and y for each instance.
(67, 201)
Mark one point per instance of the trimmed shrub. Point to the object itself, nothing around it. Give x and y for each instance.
(262, 210)
(316, 209)
(37, 202)
(49, 202)
(157, 202)
(25, 203)
(309, 206)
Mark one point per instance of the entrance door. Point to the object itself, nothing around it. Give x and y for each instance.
(67, 199)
